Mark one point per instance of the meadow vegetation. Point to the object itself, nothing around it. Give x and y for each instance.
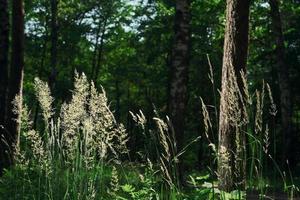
(81, 152)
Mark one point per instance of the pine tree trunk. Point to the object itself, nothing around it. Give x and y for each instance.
(118, 100)
(94, 61)
(231, 164)
(100, 52)
(15, 79)
(42, 65)
(54, 40)
(179, 69)
(4, 48)
(283, 80)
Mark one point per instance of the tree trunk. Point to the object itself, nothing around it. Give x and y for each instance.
(231, 150)
(283, 80)
(94, 61)
(179, 69)
(179, 74)
(15, 80)
(100, 52)
(118, 101)
(54, 40)
(42, 65)
(4, 48)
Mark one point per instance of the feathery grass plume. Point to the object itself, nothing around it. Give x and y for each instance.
(266, 140)
(165, 171)
(168, 158)
(20, 157)
(206, 118)
(163, 134)
(43, 95)
(88, 143)
(72, 114)
(26, 125)
(88, 116)
(75, 143)
(108, 134)
(273, 109)
(140, 119)
(259, 112)
(165, 158)
(122, 139)
(207, 126)
(45, 100)
(114, 182)
(37, 147)
(247, 97)
(211, 72)
(18, 108)
(32, 139)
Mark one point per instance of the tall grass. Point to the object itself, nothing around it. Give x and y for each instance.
(252, 115)
(80, 152)
(69, 157)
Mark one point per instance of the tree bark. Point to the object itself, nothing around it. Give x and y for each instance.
(4, 48)
(94, 61)
(54, 40)
(179, 69)
(100, 52)
(231, 149)
(118, 100)
(283, 80)
(15, 80)
(177, 99)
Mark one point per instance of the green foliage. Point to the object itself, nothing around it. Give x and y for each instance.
(134, 68)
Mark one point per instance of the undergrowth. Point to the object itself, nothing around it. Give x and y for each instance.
(80, 152)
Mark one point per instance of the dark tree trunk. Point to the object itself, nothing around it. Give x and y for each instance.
(231, 164)
(54, 40)
(15, 80)
(177, 99)
(94, 61)
(42, 63)
(100, 52)
(283, 80)
(118, 99)
(179, 69)
(4, 48)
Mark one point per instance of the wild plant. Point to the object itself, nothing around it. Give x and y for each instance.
(247, 113)
(68, 156)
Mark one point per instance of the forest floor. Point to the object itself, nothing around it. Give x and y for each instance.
(254, 195)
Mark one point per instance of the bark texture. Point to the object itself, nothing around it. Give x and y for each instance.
(4, 48)
(179, 69)
(96, 46)
(231, 150)
(283, 80)
(54, 40)
(100, 47)
(4, 35)
(177, 99)
(15, 79)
